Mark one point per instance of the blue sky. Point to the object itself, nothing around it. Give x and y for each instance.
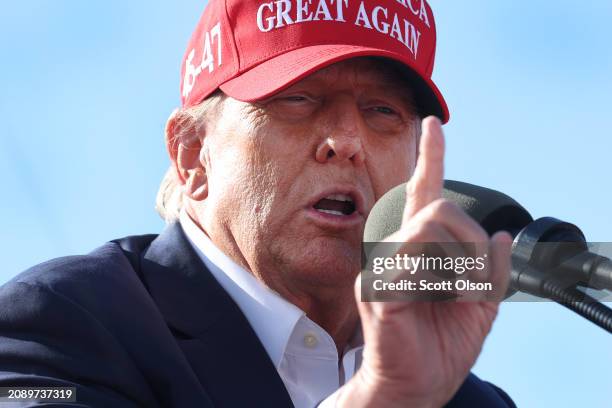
(87, 87)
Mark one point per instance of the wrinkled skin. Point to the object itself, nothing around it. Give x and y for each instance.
(250, 180)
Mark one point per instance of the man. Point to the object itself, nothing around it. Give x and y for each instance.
(296, 117)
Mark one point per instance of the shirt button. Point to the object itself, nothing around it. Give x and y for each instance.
(310, 340)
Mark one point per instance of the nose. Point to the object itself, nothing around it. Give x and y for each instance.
(343, 132)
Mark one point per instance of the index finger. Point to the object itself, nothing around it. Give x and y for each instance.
(426, 183)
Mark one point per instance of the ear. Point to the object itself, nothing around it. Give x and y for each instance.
(184, 142)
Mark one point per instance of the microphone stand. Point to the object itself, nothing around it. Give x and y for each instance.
(543, 264)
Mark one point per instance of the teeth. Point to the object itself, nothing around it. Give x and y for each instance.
(339, 197)
(331, 212)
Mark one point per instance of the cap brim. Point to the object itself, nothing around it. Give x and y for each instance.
(280, 72)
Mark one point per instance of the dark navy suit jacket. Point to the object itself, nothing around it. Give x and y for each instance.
(141, 322)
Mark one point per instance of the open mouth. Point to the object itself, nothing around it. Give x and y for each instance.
(336, 204)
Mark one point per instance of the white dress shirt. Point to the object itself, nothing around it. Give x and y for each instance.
(304, 354)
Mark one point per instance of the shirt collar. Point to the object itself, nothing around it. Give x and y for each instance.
(272, 318)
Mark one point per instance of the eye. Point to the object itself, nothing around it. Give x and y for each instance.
(295, 98)
(384, 117)
(292, 106)
(294, 101)
(385, 110)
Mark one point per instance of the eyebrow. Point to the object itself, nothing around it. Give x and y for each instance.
(397, 80)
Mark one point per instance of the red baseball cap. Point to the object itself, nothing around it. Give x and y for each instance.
(252, 49)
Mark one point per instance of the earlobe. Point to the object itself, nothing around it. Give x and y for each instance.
(197, 185)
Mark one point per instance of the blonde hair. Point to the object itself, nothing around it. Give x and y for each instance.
(188, 122)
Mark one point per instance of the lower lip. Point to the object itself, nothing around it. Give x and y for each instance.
(332, 221)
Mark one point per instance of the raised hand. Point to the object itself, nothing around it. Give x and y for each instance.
(417, 354)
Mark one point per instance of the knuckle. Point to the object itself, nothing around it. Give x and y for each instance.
(412, 189)
(442, 206)
(482, 235)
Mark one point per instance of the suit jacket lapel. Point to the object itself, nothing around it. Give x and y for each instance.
(218, 341)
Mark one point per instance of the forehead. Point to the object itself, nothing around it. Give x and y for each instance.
(374, 68)
(364, 71)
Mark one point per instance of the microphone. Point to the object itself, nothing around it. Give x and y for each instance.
(493, 210)
(550, 258)
(566, 251)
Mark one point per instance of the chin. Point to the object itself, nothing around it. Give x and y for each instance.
(327, 262)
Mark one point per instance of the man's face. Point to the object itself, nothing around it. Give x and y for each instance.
(280, 171)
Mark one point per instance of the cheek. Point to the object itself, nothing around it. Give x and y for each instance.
(391, 168)
(252, 183)
(258, 170)
(247, 184)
